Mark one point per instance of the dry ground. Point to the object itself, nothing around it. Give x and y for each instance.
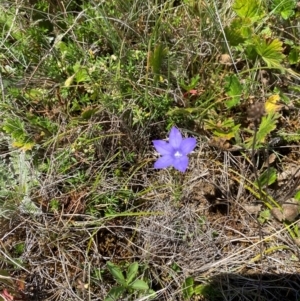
(209, 232)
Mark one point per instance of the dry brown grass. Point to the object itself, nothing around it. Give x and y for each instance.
(205, 233)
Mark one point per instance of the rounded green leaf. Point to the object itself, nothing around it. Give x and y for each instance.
(139, 285)
(116, 272)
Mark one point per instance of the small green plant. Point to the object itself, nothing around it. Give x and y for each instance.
(264, 216)
(156, 59)
(19, 248)
(234, 90)
(54, 205)
(268, 177)
(250, 33)
(194, 81)
(284, 8)
(226, 129)
(15, 127)
(129, 284)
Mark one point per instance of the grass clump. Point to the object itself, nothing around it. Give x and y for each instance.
(86, 86)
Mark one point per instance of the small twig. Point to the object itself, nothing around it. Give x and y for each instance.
(2, 88)
(262, 196)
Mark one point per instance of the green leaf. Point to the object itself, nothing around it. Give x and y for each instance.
(233, 89)
(88, 113)
(249, 9)
(43, 123)
(200, 289)
(286, 8)
(208, 291)
(82, 76)
(193, 83)
(297, 195)
(157, 57)
(80, 73)
(131, 272)
(264, 216)
(7, 19)
(267, 125)
(15, 128)
(35, 94)
(182, 111)
(151, 294)
(294, 56)
(266, 32)
(139, 285)
(117, 273)
(115, 293)
(175, 267)
(238, 31)
(225, 129)
(290, 137)
(268, 177)
(188, 288)
(227, 134)
(251, 52)
(270, 52)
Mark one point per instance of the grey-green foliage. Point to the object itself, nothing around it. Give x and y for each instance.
(16, 181)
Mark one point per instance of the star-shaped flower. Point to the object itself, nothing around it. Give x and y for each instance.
(175, 152)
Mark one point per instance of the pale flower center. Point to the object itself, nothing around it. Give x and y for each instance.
(178, 154)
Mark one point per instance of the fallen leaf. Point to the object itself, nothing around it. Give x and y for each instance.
(270, 160)
(290, 171)
(289, 211)
(225, 59)
(253, 209)
(272, 104)
(276, 212)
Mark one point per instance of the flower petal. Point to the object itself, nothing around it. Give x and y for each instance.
(163, 147)
(187, 145)
(164, 162)
(175, 137)
(181, 163)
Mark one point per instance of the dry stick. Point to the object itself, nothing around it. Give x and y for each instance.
(261, 196)
(2, 88)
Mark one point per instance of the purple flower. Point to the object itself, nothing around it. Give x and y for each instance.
(175, 152)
